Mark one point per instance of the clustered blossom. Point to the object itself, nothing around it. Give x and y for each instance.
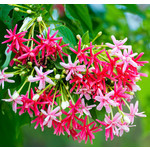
(4, 77)
(88, 78)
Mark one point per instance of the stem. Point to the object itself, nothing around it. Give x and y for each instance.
(44, 26)
(97, 36)
(54, 99)
(68, 92)
(32, 35)
(126, 103)
(44, 89)
(100, 46)
(30, 82)
(20, 6)
(23, 85)
(111, 112)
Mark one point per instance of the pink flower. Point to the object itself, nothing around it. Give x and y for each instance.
(105, 101)
(42, 77)
(51, 115)
(15, 98)
(81, 54)
(123, 127)
(50, 46)
(127, 58)
(60, 128)
(85, 91)
(4, 77)
(85, 108)
(118, 44)
(73, 68)
(39, 121)
(134, 112)
(17, 39)
(87, 131)
(93, 57)
(29, 54)
(111, 125)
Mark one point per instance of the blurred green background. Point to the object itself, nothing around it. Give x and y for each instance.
(132, 21)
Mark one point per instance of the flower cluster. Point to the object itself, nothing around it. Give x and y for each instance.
(92, 78)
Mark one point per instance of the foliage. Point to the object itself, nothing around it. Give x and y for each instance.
(86, 21)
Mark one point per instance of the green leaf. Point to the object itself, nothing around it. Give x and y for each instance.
(85, 38)
(18, 17)
(67, 35)
(133, 8)
(57, 64)
(2, 46)
(4, 14)
(79, 12)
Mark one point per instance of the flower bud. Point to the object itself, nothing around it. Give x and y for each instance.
(15, 95)
(22, 73)
(78, 36)
(39, 19)
(62, 76)
(30, 63)
(126, 119)
(64, 104)
(30, 78)
(29, 11)
(15, 67)
(36, 97)
(99, 33)
(64, 71)
(67, 87)
(57, 76)
(54, 69)
(16, 9)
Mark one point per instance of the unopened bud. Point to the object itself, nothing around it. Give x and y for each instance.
(126, 119)
(131, 93)
(75, 47)
(109, 51)
(54, 69)
(78, 36)
(22, 73)
(57, 76)
(64, 71)
(67, 87)
(29, 11)
(64, 104)
(30, 78)
(36, 97)
(62, 76)
(39, 19)
(15, 67)
(30, 63)
(99, 33)
(16, 9)
(15, 95)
